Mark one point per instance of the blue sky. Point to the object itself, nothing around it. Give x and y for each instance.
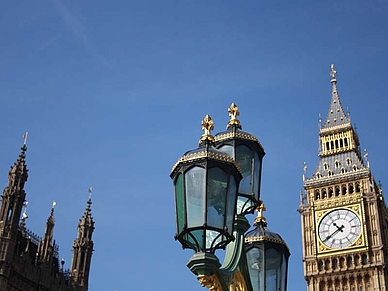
(113, 93)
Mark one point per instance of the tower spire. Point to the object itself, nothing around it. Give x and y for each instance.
(83, 248)
(46, 247)
(336, 115)
(11, 207)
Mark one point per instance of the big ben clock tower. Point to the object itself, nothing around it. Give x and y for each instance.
(343, 214)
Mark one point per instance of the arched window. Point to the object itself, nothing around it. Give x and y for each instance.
(327, 146)
(343, 170)
(351, 188)
(330, 192)
(332, 145)
(337, 164)
(358, 187)
(341, 143)
(337, 191)
(344, 190)
(336, 144)
(346, 142)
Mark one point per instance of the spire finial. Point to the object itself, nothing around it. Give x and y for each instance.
(333, 74)
(25, 136)
(90, 192)
(260, 218)
(366, 155)
(52, 207)
(304, 170)
(233, 113)
(207, 126)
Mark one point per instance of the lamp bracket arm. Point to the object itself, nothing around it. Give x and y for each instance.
(235, 250)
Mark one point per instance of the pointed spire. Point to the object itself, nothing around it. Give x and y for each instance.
(19, 169)
(336, 115)
(87, 219)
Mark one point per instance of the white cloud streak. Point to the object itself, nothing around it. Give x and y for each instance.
(72, 22)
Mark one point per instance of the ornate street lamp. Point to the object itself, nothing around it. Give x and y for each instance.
(207, 181)
(267, 256)
(248, 153)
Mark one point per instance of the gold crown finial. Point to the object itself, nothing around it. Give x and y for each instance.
(207, 126)
(260, 209)
(233, 113)
(333, 73)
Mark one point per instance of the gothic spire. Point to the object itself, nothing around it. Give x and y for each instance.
(18, 174)
(336, 115)
(83, 248)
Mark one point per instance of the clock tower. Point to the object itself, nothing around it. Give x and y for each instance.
(343, 214)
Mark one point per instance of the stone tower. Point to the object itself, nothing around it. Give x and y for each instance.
(31, 263)
(343, 214)
(83, 249)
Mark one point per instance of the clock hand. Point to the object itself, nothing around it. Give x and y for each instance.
(339, 229)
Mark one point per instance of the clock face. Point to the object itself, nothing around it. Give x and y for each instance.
(339, 228)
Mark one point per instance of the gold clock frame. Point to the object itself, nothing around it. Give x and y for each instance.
(361, 241)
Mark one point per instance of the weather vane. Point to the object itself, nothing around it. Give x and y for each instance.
(90, 192)
(25, 136)
(333, 72)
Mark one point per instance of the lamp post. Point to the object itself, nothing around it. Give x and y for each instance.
(216, 185)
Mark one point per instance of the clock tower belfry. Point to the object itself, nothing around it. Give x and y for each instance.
(343, 214)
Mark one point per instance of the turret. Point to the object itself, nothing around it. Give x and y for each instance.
(83, 249)
(46, 246)
(11, 207)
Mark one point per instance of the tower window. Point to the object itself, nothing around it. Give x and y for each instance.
(346, 141)
(336, 144)
(351, 188)
(337, 164)
(318, 175)
(358, 187)
(332, 145)
(341, 143)
(348, 161)
(337, 191)
(343, 170)
(329, 173)
(354, 168)
(330, 192)
(344, 190)
(325, 166)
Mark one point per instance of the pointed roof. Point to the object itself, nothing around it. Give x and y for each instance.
(87, 219)
(19, 168)
(336, 116)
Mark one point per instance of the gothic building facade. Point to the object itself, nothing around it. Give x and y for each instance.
(30, 263)
(343, 214)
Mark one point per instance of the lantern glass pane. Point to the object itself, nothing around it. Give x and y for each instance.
(196, 238)
(212, 238)
(255, 258)
(179, 203)
(228, 149)
(244, 158)
(243, 203)
(272, 269)
(231, 204)
(256, 176)
(195, 196)
(217, 186)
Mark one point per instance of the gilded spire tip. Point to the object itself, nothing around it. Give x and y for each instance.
(260, 218)
(233, 113)
(207, 126)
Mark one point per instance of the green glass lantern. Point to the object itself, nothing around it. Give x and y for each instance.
(267, 257)
(205, 181)
(248, 154)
